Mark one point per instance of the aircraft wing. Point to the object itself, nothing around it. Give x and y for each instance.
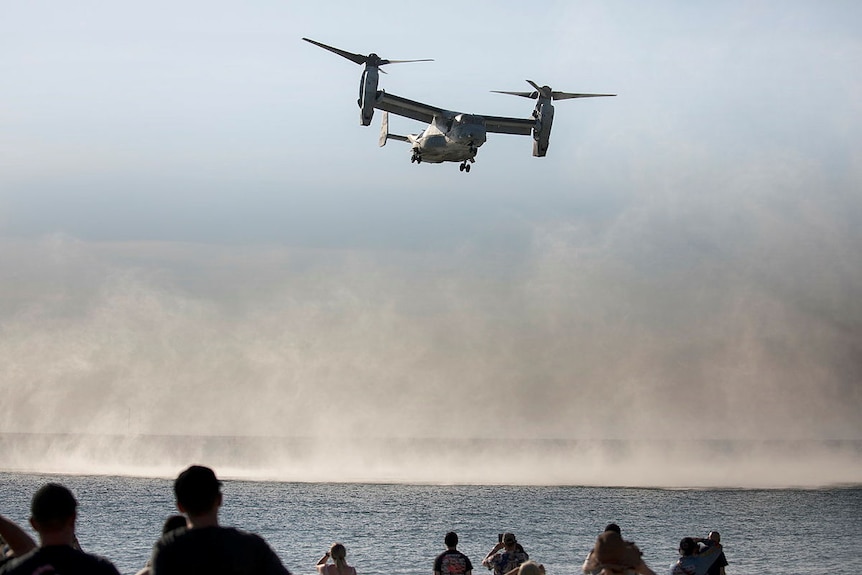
(425, 113)
(407, 108)
(502, 125)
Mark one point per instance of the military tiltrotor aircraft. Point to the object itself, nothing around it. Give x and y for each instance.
(450, 136)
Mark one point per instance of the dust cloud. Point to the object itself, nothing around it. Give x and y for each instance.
(712, 338)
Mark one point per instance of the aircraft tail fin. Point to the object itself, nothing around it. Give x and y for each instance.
(384, 132)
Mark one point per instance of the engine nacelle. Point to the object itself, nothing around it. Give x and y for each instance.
(544, 114)
(367, 94)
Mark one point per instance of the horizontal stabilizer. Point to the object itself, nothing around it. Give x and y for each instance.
(384, 132)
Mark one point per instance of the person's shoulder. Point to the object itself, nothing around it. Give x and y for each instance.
(94, 563)
(171, 536)
(251, 542)
(241, 536)
(71, 558)
(12, 563)
(101, 564)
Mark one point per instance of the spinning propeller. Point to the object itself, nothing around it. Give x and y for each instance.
(368, 83)
(547, 93)
(372, 60)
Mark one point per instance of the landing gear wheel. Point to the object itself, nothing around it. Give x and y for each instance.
(467, 168)
(461, 167)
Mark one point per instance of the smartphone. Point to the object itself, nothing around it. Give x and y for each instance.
(499, 537)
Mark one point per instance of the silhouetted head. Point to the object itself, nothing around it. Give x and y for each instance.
(53, 505)
(714, 536)
(687, 546)
(530, 568)
(173, 522)
(338, 552)
(509, 540)
(613, 527)
(197, 490)
(451, 539)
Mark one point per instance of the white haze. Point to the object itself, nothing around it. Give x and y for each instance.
(683, 318)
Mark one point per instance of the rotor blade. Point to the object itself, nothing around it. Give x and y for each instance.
(358, 58)
(404, 61)
(567, 95)
(554, 95)
(531, 95)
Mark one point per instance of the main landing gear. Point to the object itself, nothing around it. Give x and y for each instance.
(465, 166)
(416, 157)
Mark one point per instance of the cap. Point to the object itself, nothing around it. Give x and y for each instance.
(197, 489)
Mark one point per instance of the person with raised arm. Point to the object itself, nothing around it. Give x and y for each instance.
(338, 553)
(53, 512)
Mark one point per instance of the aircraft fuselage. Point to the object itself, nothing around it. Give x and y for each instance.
(450, 138)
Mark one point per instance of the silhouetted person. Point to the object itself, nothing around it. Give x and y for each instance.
(452, 561)
(512, 556)
(171, 523)
(691, 562)
(338, 553)
(204, 547)
(612, 555)
(52, 514)
(717, 568)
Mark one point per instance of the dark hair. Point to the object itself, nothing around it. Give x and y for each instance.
(687, 546)
(52, 505)
(173, 522)
(451, 539)
(197, 489)
(613, 527)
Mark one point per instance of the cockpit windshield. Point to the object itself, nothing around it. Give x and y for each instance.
(468, 119)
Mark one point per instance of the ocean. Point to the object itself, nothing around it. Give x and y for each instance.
(399, 528)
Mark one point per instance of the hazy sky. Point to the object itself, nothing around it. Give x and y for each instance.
(191, 212)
